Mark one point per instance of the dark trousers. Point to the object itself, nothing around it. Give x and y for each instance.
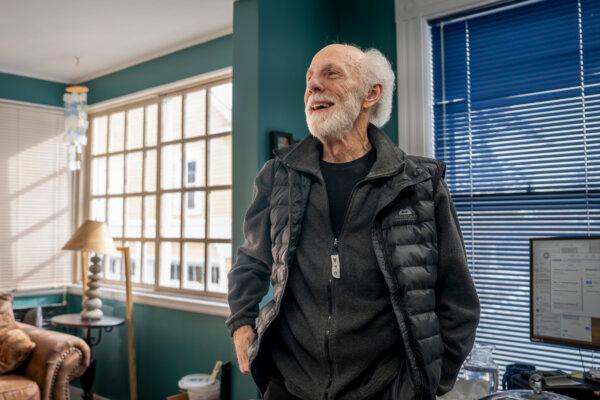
(277, 391)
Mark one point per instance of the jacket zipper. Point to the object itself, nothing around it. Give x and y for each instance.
(334, 254)
(335, 273)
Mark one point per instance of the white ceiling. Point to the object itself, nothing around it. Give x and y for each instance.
(41, 38)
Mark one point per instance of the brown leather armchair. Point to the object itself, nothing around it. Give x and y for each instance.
(57, 359)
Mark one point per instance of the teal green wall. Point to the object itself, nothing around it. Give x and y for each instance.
(28, 301)
(195, 60)
(22, 88)
(169, 345)
(372, 24)
(246, 159)
(287, 44)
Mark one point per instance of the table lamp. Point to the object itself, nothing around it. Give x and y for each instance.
(92, 236)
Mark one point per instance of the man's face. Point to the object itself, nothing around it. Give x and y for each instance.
(332, 98)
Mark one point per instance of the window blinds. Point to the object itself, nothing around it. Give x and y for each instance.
(517, 119)
(35, 209)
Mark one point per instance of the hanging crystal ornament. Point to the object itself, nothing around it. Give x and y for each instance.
(76, 123)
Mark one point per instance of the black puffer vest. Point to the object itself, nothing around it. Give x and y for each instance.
(437, 326)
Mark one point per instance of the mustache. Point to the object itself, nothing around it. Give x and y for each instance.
(321, 97)
(316, 98)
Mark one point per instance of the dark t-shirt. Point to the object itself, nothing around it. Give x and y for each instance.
(340, 179)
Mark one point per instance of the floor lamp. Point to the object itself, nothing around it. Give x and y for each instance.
(131, 358)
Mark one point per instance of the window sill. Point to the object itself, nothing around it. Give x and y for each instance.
(215, 307)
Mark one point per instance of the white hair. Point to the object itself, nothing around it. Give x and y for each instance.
(374, 68)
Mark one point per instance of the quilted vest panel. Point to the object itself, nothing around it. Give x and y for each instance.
(410, 246)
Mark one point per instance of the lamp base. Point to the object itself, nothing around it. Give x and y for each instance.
(92, 314)
(92, 304)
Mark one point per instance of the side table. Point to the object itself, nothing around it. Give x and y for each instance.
(74, 321)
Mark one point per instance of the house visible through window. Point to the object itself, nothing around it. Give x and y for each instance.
(195, 273)
(191, 200)
(215, 274)
(175, 271)
(162, 181)
(191, 175)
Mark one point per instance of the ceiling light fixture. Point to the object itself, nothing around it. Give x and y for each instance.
(76, 122)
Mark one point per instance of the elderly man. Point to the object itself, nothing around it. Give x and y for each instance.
(372, 297)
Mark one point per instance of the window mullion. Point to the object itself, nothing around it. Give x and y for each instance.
(143, 196)
(158, 240)
(124, 199)
(182, 193)
(206, 185)
(106, 179)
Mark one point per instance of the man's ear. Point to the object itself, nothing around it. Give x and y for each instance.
(373, 96)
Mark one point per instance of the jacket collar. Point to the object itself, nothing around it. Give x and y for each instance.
(306, 155)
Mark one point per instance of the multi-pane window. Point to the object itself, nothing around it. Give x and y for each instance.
(160, 175)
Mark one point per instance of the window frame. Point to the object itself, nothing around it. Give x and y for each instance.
(144, 99)
(414, 71)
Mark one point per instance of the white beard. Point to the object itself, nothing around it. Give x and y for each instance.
(334, 123)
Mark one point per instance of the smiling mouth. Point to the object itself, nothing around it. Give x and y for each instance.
(320, 106)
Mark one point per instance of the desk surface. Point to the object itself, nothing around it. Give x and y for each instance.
(584, 391)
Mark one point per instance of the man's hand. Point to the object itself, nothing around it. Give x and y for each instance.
(242, 338)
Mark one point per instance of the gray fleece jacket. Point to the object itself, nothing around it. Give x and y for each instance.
(418, 249)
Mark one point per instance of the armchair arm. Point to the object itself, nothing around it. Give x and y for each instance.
(56, 360)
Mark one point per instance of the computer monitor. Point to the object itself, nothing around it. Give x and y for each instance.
(565, 291)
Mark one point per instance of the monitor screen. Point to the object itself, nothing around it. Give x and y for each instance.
(565, 291)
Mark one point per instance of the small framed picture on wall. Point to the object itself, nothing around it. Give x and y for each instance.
(279, 140)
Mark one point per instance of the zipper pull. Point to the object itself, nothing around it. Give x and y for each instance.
(335, 260)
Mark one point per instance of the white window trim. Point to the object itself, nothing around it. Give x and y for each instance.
(195, 304)
(150, 297)
(414, 70)
(159, 90)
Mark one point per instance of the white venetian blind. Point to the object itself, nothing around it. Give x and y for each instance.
(35, 202)
(517, 119)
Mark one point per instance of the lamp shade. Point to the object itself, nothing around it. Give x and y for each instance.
(92, 236)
